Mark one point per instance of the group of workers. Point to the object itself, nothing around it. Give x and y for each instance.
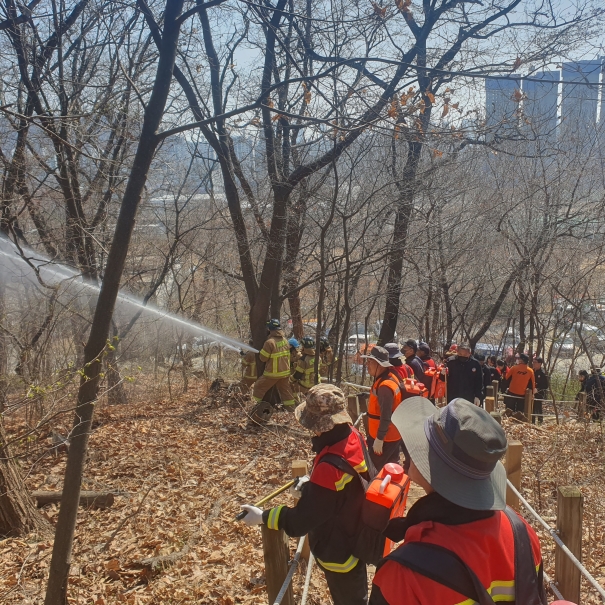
(289, 366)
(460, 544)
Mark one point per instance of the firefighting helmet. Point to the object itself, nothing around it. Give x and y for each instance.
(293, 343)
(324, 343)
(274, 324)
(308, 342)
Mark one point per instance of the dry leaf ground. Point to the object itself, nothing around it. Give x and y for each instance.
(197, 459)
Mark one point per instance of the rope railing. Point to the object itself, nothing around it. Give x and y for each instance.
(305, 593)
(553, 534)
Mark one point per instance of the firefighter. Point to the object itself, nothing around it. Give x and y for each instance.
(520, 377)
(294, 353)
(329, 508)
(458, 531)
(327, 357)
(304, 373)
(248, 370)
(276, 356)
(384, 440)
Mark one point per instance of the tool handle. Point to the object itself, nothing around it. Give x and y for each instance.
(266, 499)
(241, 515)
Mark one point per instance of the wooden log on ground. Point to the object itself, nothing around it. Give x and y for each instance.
(569, 526)
(94, 499)
(513, 471)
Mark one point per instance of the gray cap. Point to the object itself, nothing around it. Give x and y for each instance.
(379, 355)
(456, 449)
(393, 350)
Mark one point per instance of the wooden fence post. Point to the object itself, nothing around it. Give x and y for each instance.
(489, 391)
(513, 471)
(277, 554)
(353, 407)
(569, 527)
(496, 387)
(529, 404)
(362, 403)
(490, 404)
(299, 469)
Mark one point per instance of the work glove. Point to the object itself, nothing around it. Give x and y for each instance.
(477, 402)
(295, 489)
(254, 516)
(378, 447)
(443, 371)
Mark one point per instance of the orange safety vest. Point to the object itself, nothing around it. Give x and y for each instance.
(393, 382)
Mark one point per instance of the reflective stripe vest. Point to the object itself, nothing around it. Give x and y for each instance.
(392, 381)
(486, 546)
(402, 389)
(306, 367)
(276, 354)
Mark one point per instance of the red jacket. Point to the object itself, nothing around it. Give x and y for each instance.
(330, 505)
(485, 545)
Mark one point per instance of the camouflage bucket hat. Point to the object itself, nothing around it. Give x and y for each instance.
(323, 409)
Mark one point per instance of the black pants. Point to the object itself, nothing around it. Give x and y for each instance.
(514, 403)
(390, 452)
(349, 588)
(538, 412)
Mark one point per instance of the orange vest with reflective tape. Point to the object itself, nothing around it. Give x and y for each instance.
(437, 390)
(393, 382)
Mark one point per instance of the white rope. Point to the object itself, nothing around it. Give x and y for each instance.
(559, 542)
(305, 593)
(293, 567)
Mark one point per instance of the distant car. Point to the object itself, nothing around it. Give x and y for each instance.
(355, 342)
(483, 348)
(564, 347)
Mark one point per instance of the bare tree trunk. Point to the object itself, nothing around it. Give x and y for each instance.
(61, 557)
(407, 188)
(18, 513)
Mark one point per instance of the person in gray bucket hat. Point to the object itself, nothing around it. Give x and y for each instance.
(462, 544)
(330, 502)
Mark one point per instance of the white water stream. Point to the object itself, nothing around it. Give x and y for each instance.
(14, 268)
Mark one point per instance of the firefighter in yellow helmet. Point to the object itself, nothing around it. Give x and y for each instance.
(304, 374)
(276, 356)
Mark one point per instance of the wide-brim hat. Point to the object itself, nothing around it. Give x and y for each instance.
(323, 409)
(380, 355)
(393, 350)
(456, 449)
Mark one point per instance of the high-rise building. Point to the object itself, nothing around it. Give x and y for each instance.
(579, 100)
(540, 105)
(502, 97)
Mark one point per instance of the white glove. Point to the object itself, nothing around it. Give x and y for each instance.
(443, 371)
(378, 447)
(254, 516)
(295, 489)
(477, 402)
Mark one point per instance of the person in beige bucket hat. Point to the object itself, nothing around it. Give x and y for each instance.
(329, 509)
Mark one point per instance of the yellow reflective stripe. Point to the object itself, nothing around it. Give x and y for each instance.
(282, 354)
(362, 467)
(273, 519)
(264, 353)
(340, 484)
(345, 567)
(277, 374)
(500, 590)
